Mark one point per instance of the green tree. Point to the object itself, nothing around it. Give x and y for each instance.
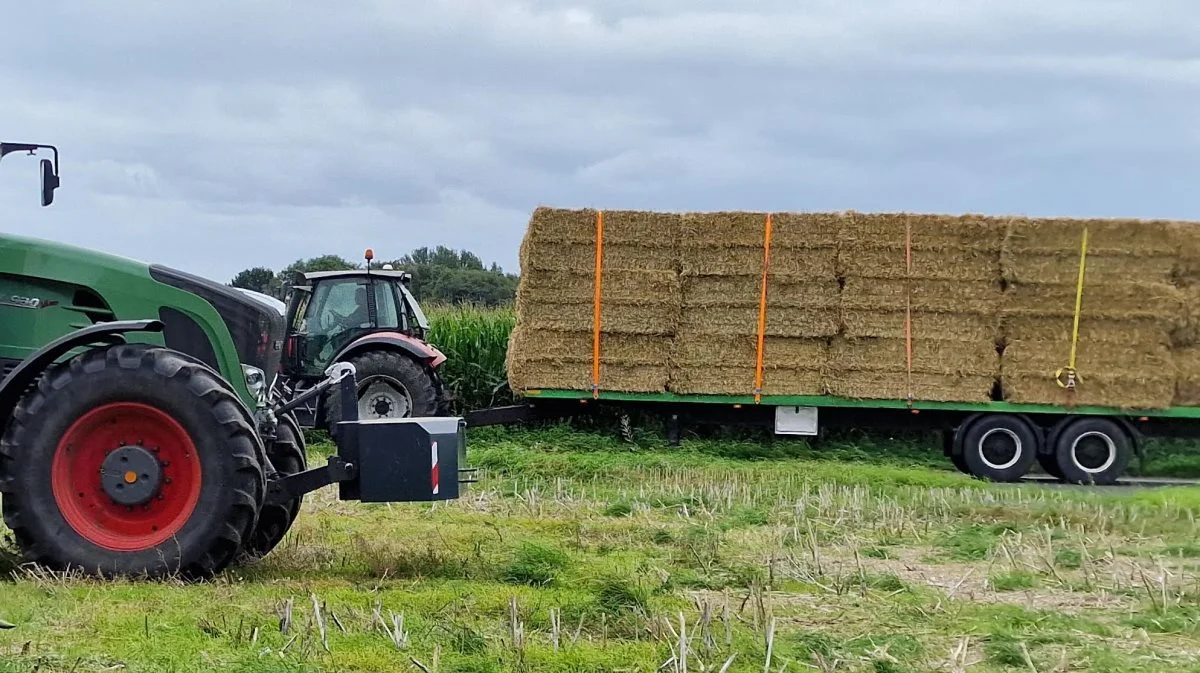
(258, 279)
(447, 276)
(440, 275)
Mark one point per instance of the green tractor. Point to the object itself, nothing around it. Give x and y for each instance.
(141, 433)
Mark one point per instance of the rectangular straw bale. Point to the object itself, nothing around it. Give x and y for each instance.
(1058, 329)
(956, 296)
(947, 325)
(1124, 392)
(581, 257)
(1187, 327)
(740, 381)
(929, 232)
(624, 286)
(696, 350)
(530, 375)
(946, 357)
(1101, 267)
(1111, 300)
(782, 292)
(614, 317)
(1185, 238)
(1187, 377)
(576, 346)
(1106, 237)
(723, 229)
(894, 386)
(632, 227)
(703, 259)
(743, 320)
(890, 262)
(1045, 357)
(806, 230)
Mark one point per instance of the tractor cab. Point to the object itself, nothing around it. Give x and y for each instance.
(371, 319)
(329, 310)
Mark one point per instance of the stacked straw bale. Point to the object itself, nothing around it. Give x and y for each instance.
(991, 301)
(953, 290)
(1129, 311)
(721, 261)
(1186, 338)
(551, 343)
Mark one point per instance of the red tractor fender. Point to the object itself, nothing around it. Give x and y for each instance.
(420, 350)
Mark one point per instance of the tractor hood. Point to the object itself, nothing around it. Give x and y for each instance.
(22, 255)
(203, 318)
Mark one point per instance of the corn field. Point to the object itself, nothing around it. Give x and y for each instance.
(475, 340)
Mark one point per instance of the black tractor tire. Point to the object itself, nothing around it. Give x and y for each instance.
(156, 408)
(1114, 449)
(999, 447)
(416, 379)
(287, 455)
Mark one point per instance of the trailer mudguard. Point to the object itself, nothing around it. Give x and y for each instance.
(420, 350)
(13, 387)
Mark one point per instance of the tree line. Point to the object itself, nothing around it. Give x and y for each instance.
(440, 275)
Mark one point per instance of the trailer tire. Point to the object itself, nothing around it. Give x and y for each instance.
(287, 455)
(999, 447)
(1049, 464)
(183, 463)
(953, 447)
(1093, 450)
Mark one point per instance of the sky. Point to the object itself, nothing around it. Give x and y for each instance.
(220, 135)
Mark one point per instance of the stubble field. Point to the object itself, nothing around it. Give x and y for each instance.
(579, 552)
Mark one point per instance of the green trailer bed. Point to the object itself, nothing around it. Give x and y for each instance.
(846, 403)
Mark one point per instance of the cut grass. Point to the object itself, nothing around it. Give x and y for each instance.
(577, 552)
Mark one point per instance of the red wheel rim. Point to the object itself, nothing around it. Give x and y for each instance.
(79, 492)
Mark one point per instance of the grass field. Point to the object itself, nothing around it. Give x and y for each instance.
(577, 552)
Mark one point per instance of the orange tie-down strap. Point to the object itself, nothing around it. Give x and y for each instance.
(908, 346)
(762, 311)
(599, 281)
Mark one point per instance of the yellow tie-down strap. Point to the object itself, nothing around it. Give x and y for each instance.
(1067, 377)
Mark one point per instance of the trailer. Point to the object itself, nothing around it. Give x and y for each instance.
(997, 441)
(1062, 342)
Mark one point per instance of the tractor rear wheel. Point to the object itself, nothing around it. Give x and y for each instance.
(287, 455)
(132, 460)
(390, 385)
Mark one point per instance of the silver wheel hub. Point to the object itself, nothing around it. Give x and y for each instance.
(383, 397)
(1000, 448)
(1099, 449)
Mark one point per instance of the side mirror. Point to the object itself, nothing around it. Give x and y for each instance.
(50, 182)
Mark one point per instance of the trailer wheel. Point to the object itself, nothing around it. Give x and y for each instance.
(287, 454)
(1093, 451)
(952, 445)
(999, 447)
(131, 460)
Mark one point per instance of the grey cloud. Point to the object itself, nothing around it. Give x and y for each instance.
(219, 135)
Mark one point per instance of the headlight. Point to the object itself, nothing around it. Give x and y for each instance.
(256, 381)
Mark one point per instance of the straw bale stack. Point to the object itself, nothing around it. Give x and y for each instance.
(1130, 311)
(952, 291)
(551, 344)
(991, 304)
(721, 263)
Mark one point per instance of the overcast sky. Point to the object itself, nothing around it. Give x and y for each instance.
(218, 135)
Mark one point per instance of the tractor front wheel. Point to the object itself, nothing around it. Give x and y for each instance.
(390, 385)
(287, 454)
(131, 460)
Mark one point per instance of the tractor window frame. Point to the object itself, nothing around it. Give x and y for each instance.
(386, 291)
